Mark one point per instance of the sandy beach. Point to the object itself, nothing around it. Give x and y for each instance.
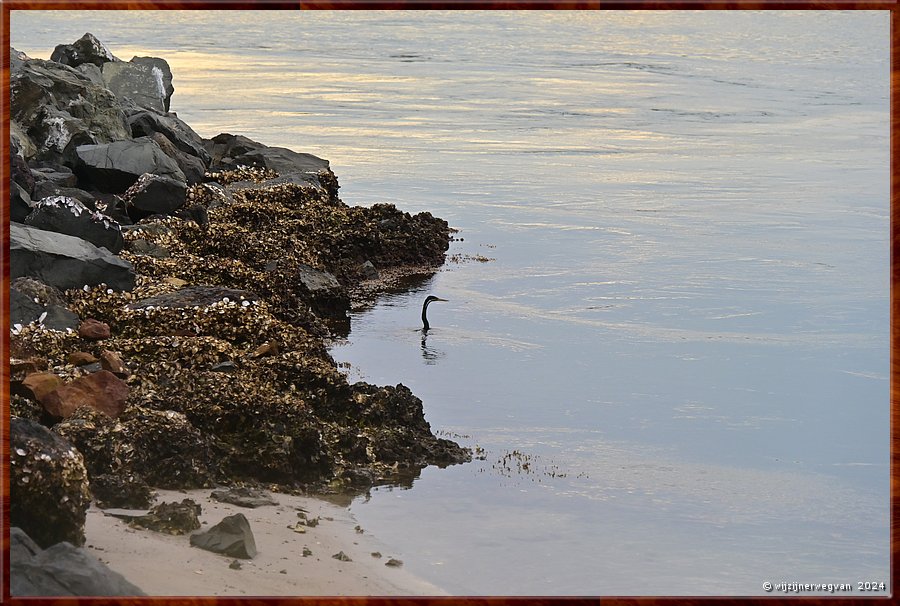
(164, 565)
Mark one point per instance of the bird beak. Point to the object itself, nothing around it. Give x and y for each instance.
(440, 299)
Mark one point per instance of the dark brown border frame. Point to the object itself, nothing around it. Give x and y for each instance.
(891, 5)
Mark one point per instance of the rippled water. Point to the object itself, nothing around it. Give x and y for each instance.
(676, 359)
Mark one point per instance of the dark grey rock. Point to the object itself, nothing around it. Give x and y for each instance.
(48, 189)
(59, 108)
(62, 570)
(146, 123)
(154, 195)
(368, 271)
(20, 204)
(21, 546)
(20, 174)
(192, 166)
(59, 175)
(92, 73)
(87, 49)
(282, 160)
(232, 537)
(49, 493)
(226, 366)
(69, 216)
(114, 167)
(224, 147)
(243, 496)
(45, 295)
(65, 261)
(327, 297)
(23, 310)
(149, 249)
(163, 67)
(142, 83)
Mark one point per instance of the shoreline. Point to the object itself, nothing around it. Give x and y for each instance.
(165, 565)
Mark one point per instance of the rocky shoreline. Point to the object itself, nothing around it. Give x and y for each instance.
(171, 302)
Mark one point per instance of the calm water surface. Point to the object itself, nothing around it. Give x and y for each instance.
(676, 359)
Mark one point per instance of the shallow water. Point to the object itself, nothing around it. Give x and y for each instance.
(676, 359)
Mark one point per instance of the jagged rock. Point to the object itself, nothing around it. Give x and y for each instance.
(244, 497)
(87, 49)
(65, 261)
(48, 189)
(45, 295)
(232, 537)
(343, 557)
(368, 271)
(182, 136)
(20, 205)
(37, 386)
(282, 160)
(327, 296)
(141, 83)
(111, 361)
(20, 144)
(150, 249)
(23, 309)
(154, 195)
(127, 490)
(91, 72)
(80, 358)
(93, 330)
(192, 166)
(114, 167)
(69, 216)
(61, 570)
(59, 175)
(49, 493)
(101, 390)
(225, 147)
(58, 108)
(163, 66)
(20, 174)
(170, 518)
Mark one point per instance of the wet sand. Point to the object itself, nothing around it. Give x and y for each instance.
(164, 565)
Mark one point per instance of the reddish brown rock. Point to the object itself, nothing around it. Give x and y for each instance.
(38, 385)
(111, 361)
(101, 390)
(94, 330)
(266, 349)
(80, 358)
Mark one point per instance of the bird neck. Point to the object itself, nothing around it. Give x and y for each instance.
(424, 318)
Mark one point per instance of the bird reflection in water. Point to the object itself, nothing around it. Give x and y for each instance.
(430, 355)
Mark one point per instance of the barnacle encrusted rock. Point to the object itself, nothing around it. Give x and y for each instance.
(49, 493)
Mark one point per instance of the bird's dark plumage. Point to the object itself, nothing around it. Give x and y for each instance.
(428, 300)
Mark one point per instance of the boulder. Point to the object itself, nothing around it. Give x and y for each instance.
(37, 385)
(101, 390)
(231, 537)
(65, 261)
(87, 49)
(243, 496)
(49, 493)
(225, 147)
(24, 310)
(193, 167)
(163, 66)
(128, 490)
(61, 570)
(59, 108)
(326, 296)
(283, 161)
(114, 167)
(93, 330)
(147, 123)
(59, 175)
(69, 216)
(111, 361)
(142, 83)
(170, 518)
(154, 195)
(48, 189)
(20, 205)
